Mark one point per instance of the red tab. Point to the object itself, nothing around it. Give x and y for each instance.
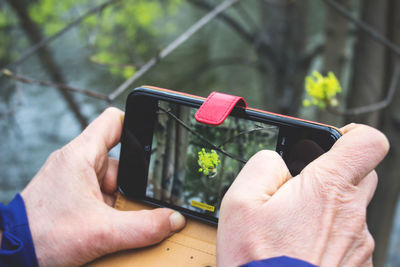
(217, 107)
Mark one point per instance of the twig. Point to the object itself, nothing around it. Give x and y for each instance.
(230, 139)
(363, 26)
(32, 50)
(110, 64)
(258, 44)
(215, 63)
(27, 80)
(208, 143)
(246, 15)
(249, 37)
(172, 46)
(394, 83)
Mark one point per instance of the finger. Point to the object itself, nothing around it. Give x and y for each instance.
(368, 262)
(109, 199)
(353, 156)
(133, 229)
(264, 173)
(109, 181)
(345, 129)
(367, 187)
(101, 135)
(361, 249)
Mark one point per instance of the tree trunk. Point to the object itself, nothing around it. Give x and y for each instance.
(334, 56)
(160, 130)
(284, 28)
(46, 57)
(372, 72)
(369, 63)
(382, 208)
(182, 143)
(169, 159)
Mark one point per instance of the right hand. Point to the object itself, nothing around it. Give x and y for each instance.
(318, 216)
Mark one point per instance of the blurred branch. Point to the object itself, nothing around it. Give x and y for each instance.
(172, 46)
(32, 50)
(110, 64)
(364, 27)
(246, 16)
(260, 45)
(16, 105)
(306, 59)
(394, 84)
(227, 19)
(199, 70)
(27, 80)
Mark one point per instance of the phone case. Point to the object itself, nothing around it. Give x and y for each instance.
(195, 245)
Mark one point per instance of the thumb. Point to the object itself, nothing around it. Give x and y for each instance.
(134, 229)
(100, 136)
(262, 176)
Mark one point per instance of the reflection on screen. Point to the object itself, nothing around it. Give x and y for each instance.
(192, 164)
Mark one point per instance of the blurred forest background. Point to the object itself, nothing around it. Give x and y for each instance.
(63, 62)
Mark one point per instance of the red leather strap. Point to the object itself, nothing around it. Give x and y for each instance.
(217, 107)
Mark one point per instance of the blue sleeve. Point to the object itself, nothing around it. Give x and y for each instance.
(282, 261)
(16, 245)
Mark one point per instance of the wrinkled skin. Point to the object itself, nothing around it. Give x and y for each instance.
(318, 216)
(68, 202)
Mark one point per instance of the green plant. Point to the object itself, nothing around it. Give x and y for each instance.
(208, 162)
(322, 90)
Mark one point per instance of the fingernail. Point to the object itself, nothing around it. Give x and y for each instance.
(176, 220)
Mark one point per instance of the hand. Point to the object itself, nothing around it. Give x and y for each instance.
(66, 202)
(318, 216)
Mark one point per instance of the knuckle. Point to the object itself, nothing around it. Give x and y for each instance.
(374, 178)
(99, 235)
(330, 184)
(369, 244)
(236, 203)
(266, 156)
(156, 229)
(67, 155)
(379, 140)
(113, 111)
(357, 215)
(60, 155)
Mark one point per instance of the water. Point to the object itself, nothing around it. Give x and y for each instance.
(42, 122)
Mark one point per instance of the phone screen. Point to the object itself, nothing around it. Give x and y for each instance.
(192, 164)
(171, 160)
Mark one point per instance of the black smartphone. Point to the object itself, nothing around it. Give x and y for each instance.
(168, 159)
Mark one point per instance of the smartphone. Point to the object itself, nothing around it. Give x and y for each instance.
(168, 159)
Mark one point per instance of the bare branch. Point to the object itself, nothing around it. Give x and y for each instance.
(248, 131)
(65, 87)
(198, 71)
(306, 59)
(172, 46)
(207, 142)
(364, 27)
(32, 50)
(259, 45)
(249, 37)
(16, 105)
(394, 84)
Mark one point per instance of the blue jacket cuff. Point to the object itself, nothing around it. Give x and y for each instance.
(281, 261)
(16, 245)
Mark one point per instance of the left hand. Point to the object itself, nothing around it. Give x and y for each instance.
(69, 202)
